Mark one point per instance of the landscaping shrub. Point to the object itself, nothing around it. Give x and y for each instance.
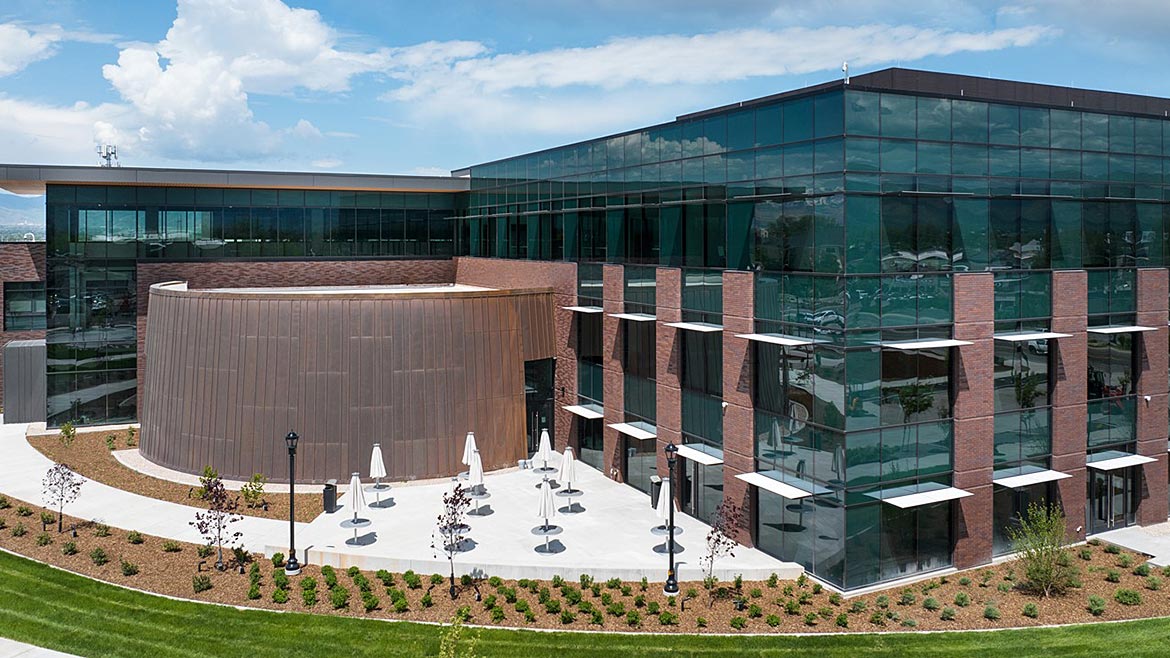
(412, 580)
(1096, 606)
(773, 580)
(171, 546)
(557, 581)
(772, 620)
(529, 616)
(567, 616)
(907, 598)
(308, 583)
(552, 606)
(1085, 554)
(369, 601)
(1004, 588)
(465, 580)
(878, 618)
(634, 618)
(280, 579)
(509, 594)
(401, 606)
(613, 583)
(4, 502)
(1113, 576)
(129, 569)
(755, 612)
(280, 596)
(1166, 571)
(200, 583)
(817, 588)
(825, 612)
(882, 601)
(931, 604)
(1031, 610)
(103, 530)
(652, 607)
(701, 622)
(843, 620)
(99, 557)
(47, 519)
(489, 601)
(135, 537)
(339, 597)
(1127, 597)
(835, 598)
(544, 595)
(738, 623)
(1142, 570)
(427, 601)
(278, 559)
(909, 623)
(254, 592)
(498, 614)
(858, 606)
(329, 576)
(1125, 562)
(19, 530)
(585, 607)
(991, 612)
(948, 614)
(1112, 549)
(463, 614)
(309, 597)
(811, 619)
(757, 593)
(204, 551)
(44, 539)
(617, 609)
(792, 607)
(24, 511)
(522, 606)
(494, 581)
(962, 599)
(69, 548)
(1040, 540)
(964, 581)
(1153, 583)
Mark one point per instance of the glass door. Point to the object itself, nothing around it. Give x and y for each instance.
(1109, 500)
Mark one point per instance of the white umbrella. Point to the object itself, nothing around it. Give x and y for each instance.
(469, 447)
(543, 449)
(568, 469)
(475, 473)
(377, 466)
(664, 499)
(547, 508)
(357, 498)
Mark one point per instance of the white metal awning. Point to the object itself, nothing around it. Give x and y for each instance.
(792, 489)
(1123, 461)
(1127, 329)
(1024, 336)
(634, 317)
(918, 495)
(1020, 480)
(701, 327)
(583, 309)
(779, 339)
(699, 454)
(634, 431)
(583, 411)
(925, 344)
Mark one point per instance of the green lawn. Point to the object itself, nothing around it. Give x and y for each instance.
(69, 613)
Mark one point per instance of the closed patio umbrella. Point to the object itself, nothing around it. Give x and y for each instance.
(665, 498)
(543, 452)
(568, 470)
(547, 508)
(357, 498)
(475, 472)
(469, 447)
(377, 466)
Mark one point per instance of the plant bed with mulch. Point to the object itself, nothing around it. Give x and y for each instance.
(1114, 584)
(90, 455)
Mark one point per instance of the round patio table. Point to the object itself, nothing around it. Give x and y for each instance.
(570, 494)
(355, 525)
(547, 531)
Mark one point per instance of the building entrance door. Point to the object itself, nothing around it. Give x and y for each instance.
(700, 489)
(1110, 500)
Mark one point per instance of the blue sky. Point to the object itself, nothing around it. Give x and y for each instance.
(411, 87)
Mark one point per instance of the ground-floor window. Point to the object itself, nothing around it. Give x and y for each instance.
(885, 542)
(701, 488)
(1009, 506)
(640, 462)
(809, 531)
(590, 442)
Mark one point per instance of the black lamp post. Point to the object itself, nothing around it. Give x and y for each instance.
(671, 588)
(292, 567)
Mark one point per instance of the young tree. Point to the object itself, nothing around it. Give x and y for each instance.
(215, 523)
(450, 528)
(721, 539)
(60, 487)
(1040, 542)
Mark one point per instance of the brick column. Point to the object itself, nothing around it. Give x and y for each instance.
(565, 378)
(738, 418)
(974, 424)
(668, 360)
(1070, 393)
(613, 301)
(1152, 372)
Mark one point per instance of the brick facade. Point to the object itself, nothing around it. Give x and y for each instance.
(1153, 372)
(739, 447)
(1070, 393)
(19, 261)
(613, 375)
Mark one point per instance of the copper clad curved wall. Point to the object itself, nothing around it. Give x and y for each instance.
(229, 373)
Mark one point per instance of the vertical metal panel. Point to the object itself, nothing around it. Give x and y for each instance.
(24, 381)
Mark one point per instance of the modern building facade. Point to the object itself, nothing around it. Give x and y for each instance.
(881, 316)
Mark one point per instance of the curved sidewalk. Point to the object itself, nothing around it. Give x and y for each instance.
(23, 468)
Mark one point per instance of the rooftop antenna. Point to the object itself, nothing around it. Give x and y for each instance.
(845, 69)
(108, 154)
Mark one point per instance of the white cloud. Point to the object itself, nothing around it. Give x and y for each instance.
(35, 132)
(534, 91)
(20, 47)
(327, 163)
(430, 171)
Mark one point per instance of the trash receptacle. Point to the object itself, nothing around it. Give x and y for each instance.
(330, 496)
(655, 490)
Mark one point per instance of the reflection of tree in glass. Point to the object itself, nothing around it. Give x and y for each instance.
(915, 399)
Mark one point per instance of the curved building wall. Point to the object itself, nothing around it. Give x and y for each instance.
(230, 372)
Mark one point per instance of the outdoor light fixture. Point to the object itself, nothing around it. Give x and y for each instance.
(671, 588)
(292, 567)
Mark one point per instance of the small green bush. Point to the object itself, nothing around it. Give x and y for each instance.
(1085, 554)
(616, 609)
(613, 583)
(668, 619)
(1142, 570)
(757, 593)
(1096, 605)
(773, 580)
(772, 620)
(931, 604)
(129, 568)
(400, 605)
(171, 546)
(308, 583)
(1125, 562)
(701, 622)
(909, 623)
(738, 623)
(69, 548)
(103, 530)
(369, 601)
(495, 581)
(463, 614)
(339, 597)
(278, 560)
(386, 577)
(792, 607)
(254, 592)
(858, 606)
(634, 618)
(907, 598)
(1031, 610)
(24, 511)
(962, 599)
(437, 579)
(44, 539)
(567, 616)
(878, 618)
(1113, 576)
(280, 579)
(552, 606)
(1127, 597)
(135, 537)
(412, 580)
(47, 519)
(627, 590)
(1112, 549)
(279, 596)
(329, 576)
(754, 611)
(811, 619)
(309, 597)
(99, 557)
(882, 601)
(426, 600)
(200, 583)
(497, 614)
(964, 581)
(842, 620)
(948, 614)
(991, 613)
(1004, 587)
(204, 551)
(1153, 583)
(652, 607)
(4, 502)
(835, 599)
(19, 530)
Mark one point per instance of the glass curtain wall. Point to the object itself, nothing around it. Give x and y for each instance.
(639, 363)
(701, 378)
(590, 376)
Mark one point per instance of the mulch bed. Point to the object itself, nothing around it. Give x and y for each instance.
(90, 456)
(813, 609)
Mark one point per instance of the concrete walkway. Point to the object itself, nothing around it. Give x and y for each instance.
(14, 649)
(23, 468)
(1153, 540)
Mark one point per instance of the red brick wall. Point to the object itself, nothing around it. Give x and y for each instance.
(1070, 392)
(613, 377)
(19, 261)
(668, 355)
(1152, 375)
(267, 274)
(974, 426)
(738, 417)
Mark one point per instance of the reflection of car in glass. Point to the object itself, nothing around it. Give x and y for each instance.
(1039, 347)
